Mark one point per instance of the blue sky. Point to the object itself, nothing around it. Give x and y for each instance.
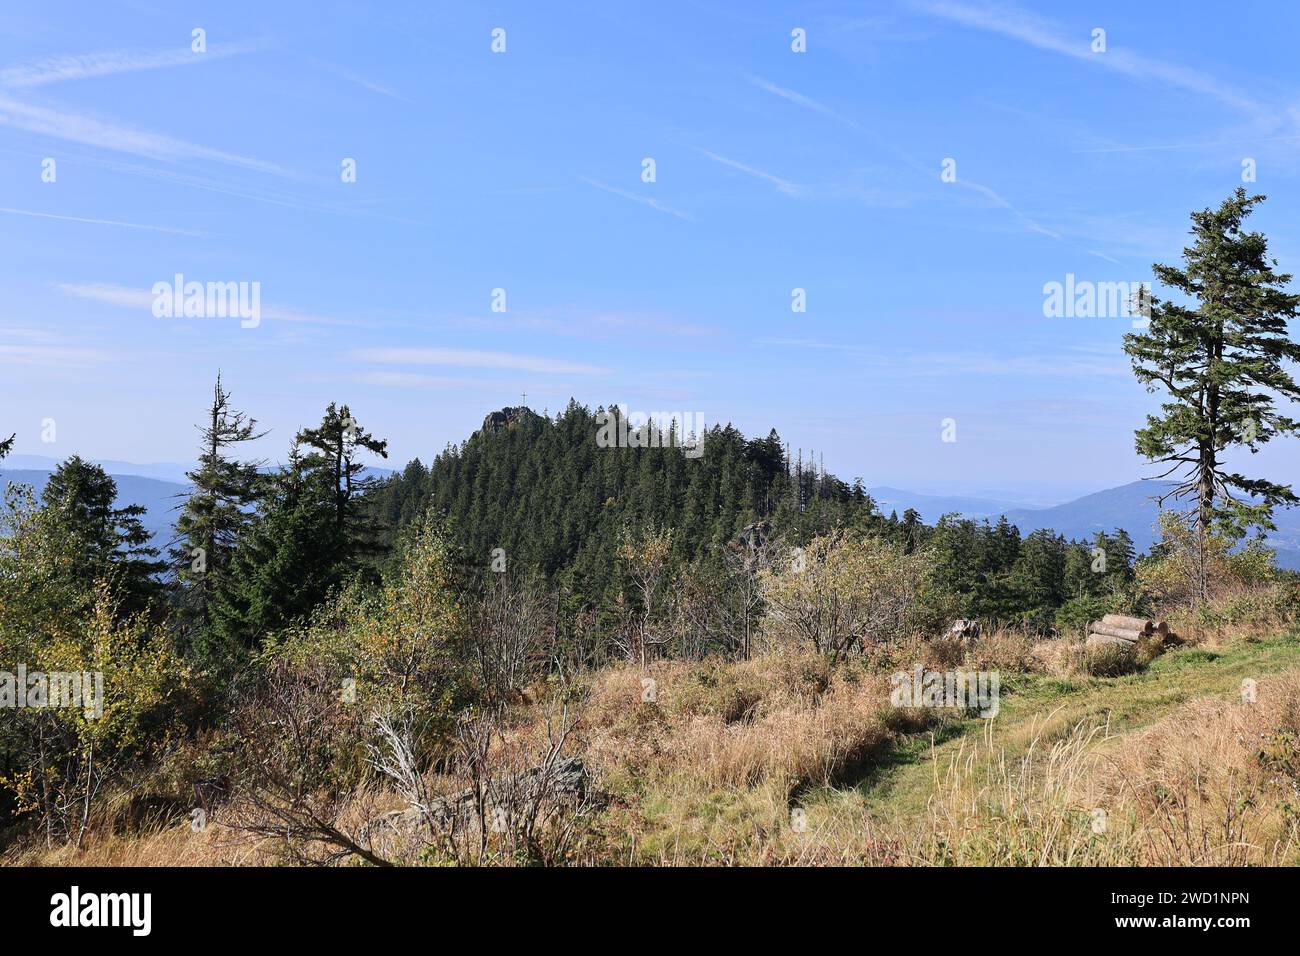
(522, 170)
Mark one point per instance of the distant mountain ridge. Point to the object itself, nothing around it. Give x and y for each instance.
(173, 471)
(161, 487)
(161, 499)
(931, 507)
(1130, 507)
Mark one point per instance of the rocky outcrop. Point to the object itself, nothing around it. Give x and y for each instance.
(754, 537)
(507, 418)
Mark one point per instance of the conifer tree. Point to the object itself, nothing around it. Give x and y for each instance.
(331, 459)
(109, 543)
(217, 509)
(1220, 361)
(309, 537)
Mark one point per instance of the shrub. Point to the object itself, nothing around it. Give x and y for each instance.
(1171, 574)
(1111, 660)
(400, 654)
(842, 593)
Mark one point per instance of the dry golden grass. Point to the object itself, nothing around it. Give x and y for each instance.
(1215, 783)
(785, 718)
(175, 845)
(1238, 612)
(759, 762)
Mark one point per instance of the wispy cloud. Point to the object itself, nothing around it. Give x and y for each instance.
(996, 198)
(576, 322)
(109, 294)
(370, 85)
(141, 300)
(1042, 34)
(1030, 366)
(52, 355)
(364, 82)
(416, 380)
(643, 200)
(799, 99)
(874, 192)
(101, 222)
(1073, 363)
(61, 69)
(90, 131)
(784, 185)
(258, 193)
(285, 313)
(476, 358)
(875, 198)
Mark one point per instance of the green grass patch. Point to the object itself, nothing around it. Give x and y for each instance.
(1036, 705)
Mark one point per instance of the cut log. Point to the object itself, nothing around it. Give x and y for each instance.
(1133, 623)
(1127, 633)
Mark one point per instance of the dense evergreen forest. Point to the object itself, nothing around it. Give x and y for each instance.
(543, 491)
(559, 506)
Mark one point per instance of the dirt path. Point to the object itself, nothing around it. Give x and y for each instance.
(1047, 708)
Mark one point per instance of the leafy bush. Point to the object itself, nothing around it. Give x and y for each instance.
(399, 654)
(1171, 574)
(843, 593)
(59, 761)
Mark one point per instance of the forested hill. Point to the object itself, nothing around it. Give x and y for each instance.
(543, 490)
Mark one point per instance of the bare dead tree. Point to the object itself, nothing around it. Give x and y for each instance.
(296, 732)
(511, 626)
(746, 560)
(519, 806)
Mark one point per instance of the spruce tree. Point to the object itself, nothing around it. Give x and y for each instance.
(331, 458)
(286, 562)
(308, 538)
(217, 510)
(1219, 359)
(110, 543)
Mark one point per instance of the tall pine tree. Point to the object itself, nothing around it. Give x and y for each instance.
(217, 510)
(1219, 359)
(310, 535)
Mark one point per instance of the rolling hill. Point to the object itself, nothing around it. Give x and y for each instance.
(158, 497)
(1129, 506)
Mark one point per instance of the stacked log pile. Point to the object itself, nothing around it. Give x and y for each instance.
(1121, 629)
